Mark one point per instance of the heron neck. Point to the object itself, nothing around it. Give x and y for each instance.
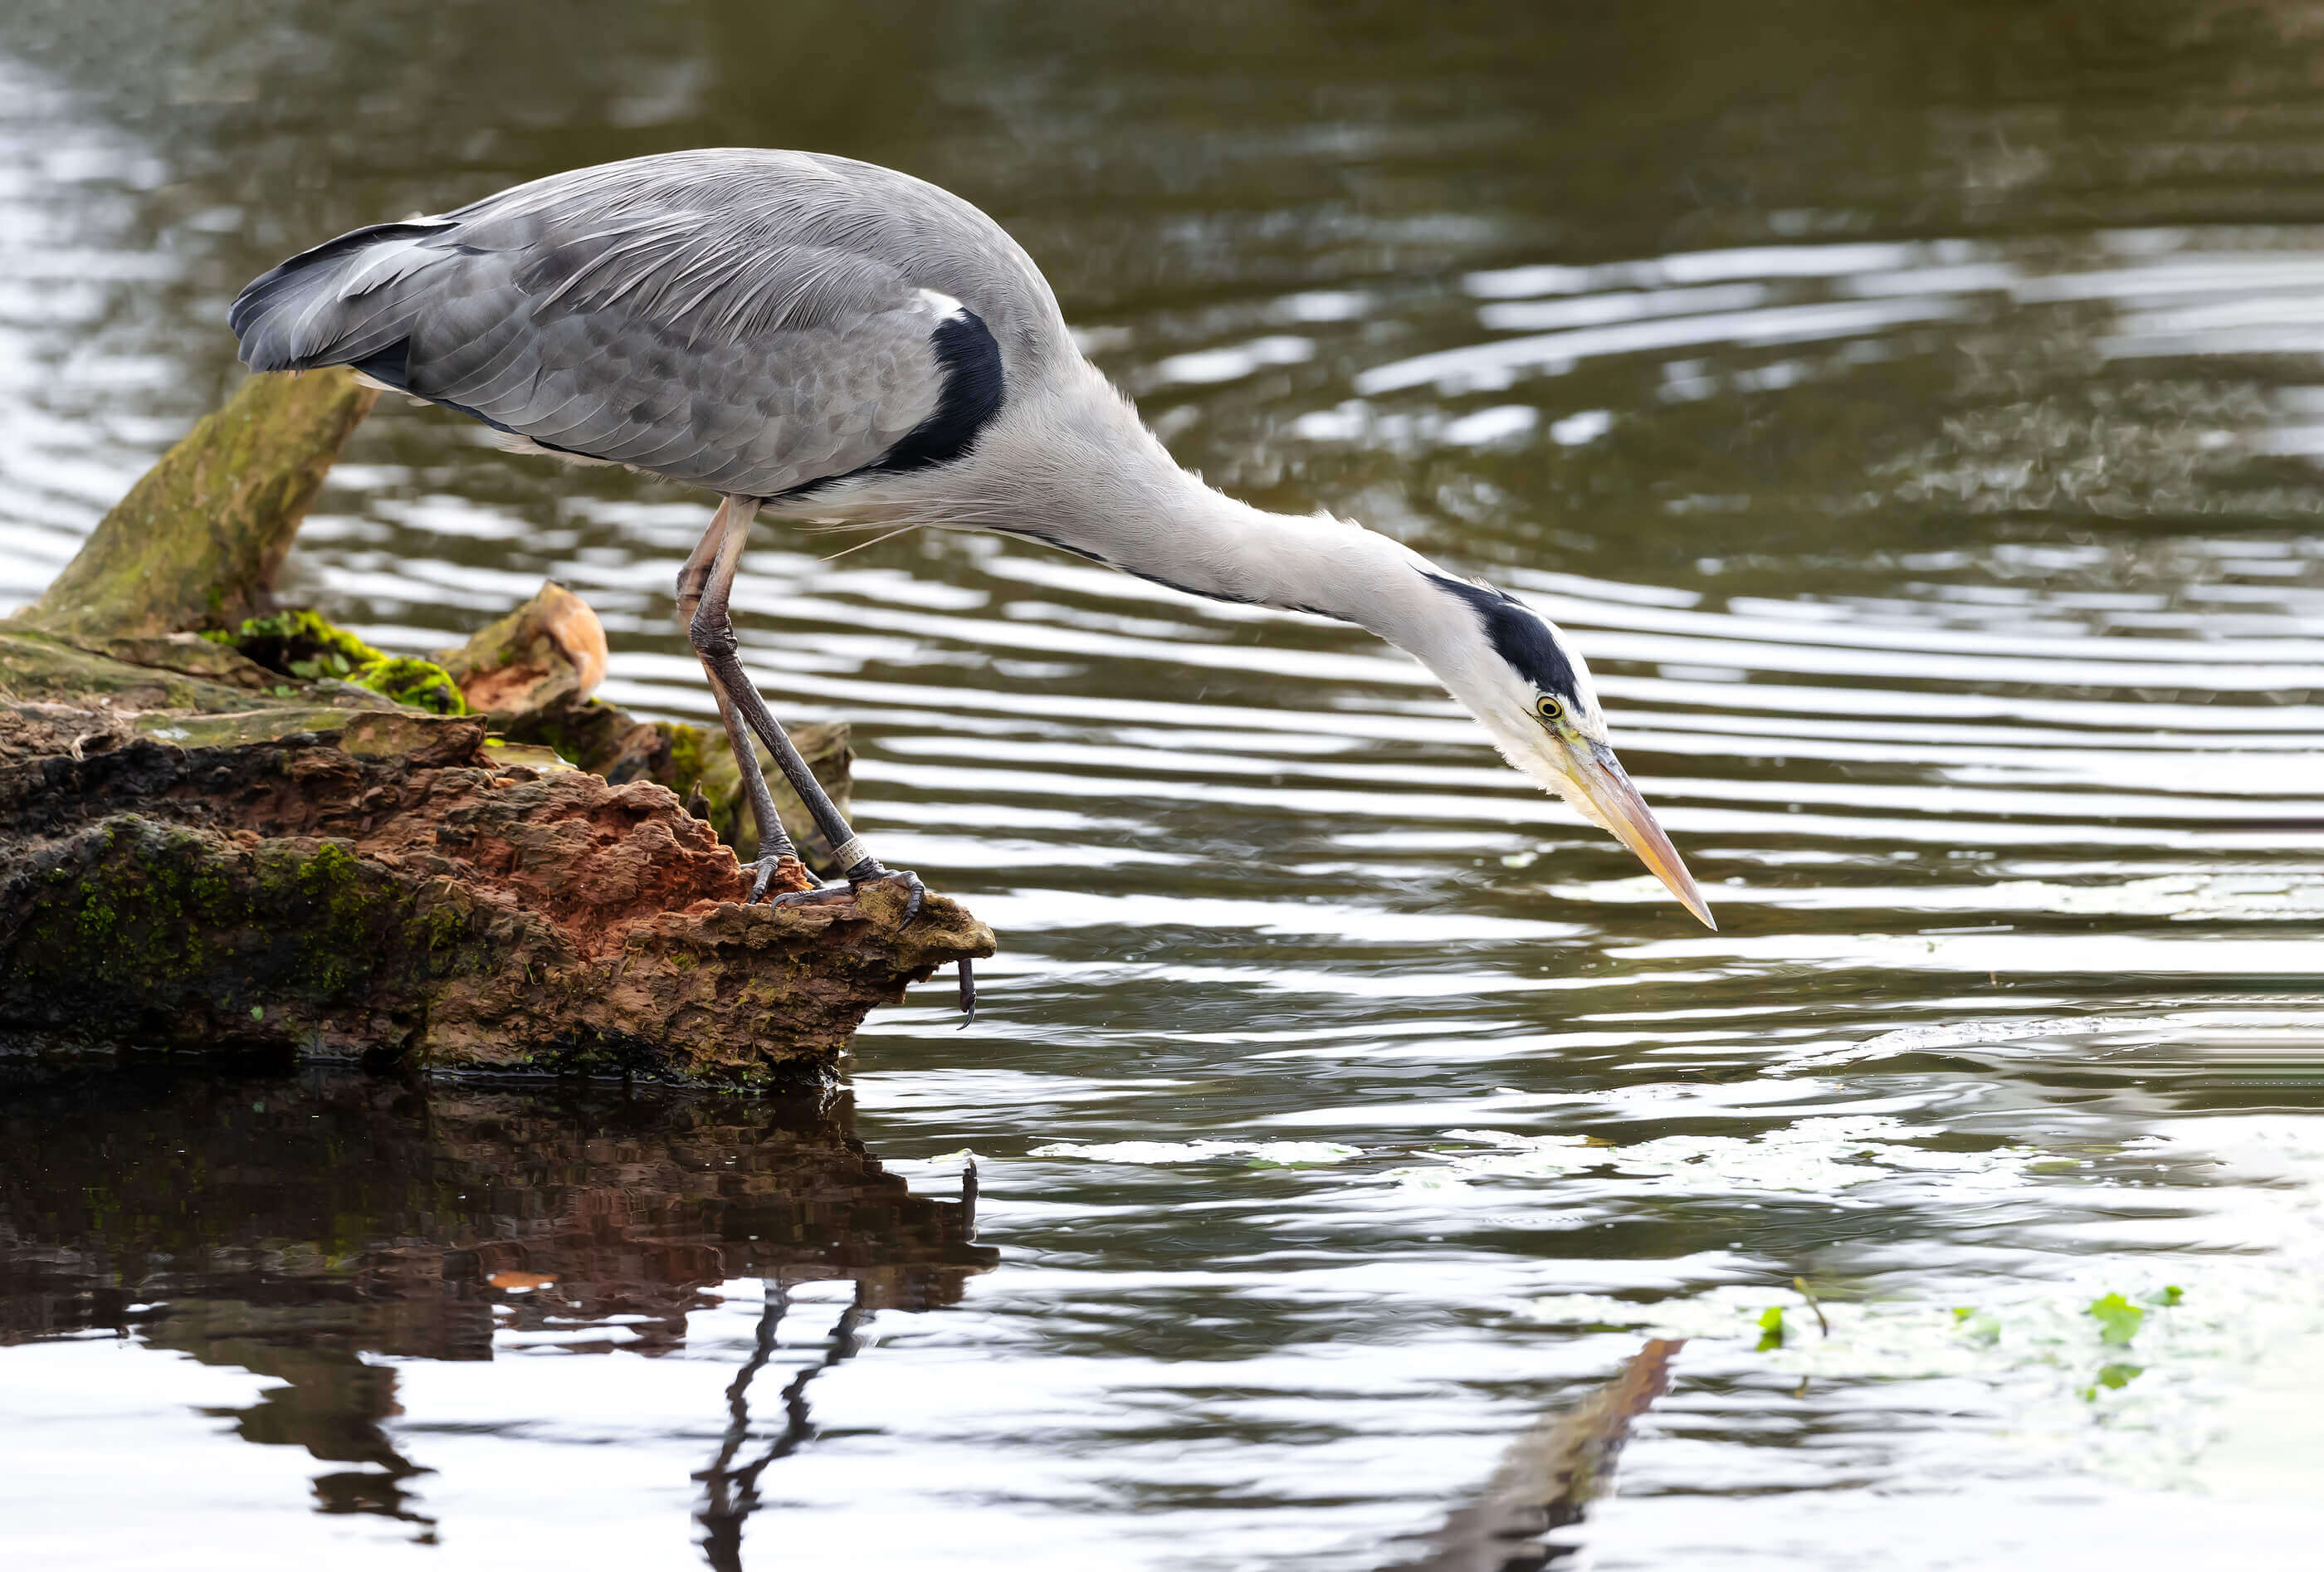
(1105, 488)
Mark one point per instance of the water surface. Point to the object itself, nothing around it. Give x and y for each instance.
(1914, 420)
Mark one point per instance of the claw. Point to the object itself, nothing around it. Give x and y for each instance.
(915, 892)
(766, 876)
(967, 994)
(821, 895)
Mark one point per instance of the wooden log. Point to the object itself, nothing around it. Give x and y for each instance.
(549, 654)
(533, 673)
(197, 541)
(199, 852)
(395, 889)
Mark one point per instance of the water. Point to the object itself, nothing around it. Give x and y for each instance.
(1914, 419)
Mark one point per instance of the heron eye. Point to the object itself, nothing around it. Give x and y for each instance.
(1548, 708)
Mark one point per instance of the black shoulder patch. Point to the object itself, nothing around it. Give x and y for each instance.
(971, 395)
(1519, 636)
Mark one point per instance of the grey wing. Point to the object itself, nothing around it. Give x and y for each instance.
(753, 347)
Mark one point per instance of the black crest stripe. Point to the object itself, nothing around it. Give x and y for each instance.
(1518, 636)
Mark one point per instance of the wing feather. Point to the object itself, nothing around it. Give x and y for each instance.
(755, 322)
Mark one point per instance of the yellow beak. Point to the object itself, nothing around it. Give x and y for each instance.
(1616, 805)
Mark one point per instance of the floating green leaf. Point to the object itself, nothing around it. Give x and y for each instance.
(1980, 1326)
(1771, 1328)
(2119, 1320)
(2169, 1295)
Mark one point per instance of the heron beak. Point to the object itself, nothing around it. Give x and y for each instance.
(1607, 794)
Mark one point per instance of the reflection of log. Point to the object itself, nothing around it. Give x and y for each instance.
(197, 851)
(342, 1211)
(1549, 1478)
(291, 1227)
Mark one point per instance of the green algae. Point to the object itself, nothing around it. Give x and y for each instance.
(304, 644)
(301, 922)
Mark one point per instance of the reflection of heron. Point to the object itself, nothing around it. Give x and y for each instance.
(731, 1492)
(834, 340)
(1548, 1477)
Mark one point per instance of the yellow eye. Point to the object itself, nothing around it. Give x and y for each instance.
(1548, 708)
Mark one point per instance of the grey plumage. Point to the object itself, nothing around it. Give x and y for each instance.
(748, 321)
(851, 344)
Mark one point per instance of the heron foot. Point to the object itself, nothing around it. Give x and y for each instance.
(916, 895)
(796, 878)
(915, 892)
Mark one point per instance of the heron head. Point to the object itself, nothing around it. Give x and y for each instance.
(1516, 673)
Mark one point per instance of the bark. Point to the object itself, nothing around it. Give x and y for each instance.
(199, 852)
(197, 541)
(533, 671)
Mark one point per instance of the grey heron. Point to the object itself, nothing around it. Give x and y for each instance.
(832, 340)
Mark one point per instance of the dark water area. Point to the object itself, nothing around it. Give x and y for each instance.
(1914, 416)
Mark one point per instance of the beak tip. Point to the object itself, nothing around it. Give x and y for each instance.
(1615, 803)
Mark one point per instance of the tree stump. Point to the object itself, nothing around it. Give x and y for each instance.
(200, 851)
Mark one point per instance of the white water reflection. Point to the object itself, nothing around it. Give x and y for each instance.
(71, 375)
(1956, 597)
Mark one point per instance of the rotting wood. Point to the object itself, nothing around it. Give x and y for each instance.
(199, 852)
(533, 673)
(197, 541)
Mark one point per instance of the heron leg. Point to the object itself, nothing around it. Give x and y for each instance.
(712, 631)
(734, 514)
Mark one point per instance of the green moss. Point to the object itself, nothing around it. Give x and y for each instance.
(442, 928)
(163, 906)
(302, 643)
(299, 644)
(422, 684)
(199, 540)
(687, 760)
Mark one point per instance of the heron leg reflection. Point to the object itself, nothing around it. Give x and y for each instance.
(774, 841)
(734, 1493)
(712, 630)
(722, 1514)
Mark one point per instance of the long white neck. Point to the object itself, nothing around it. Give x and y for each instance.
(1076, 468)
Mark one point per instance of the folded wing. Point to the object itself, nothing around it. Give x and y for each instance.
(738, 335)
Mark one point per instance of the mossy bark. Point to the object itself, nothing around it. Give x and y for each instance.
(197, 851)
(197, 541)
(533, 670)
(393, 889)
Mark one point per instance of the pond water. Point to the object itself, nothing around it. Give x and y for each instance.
(1915, 416)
